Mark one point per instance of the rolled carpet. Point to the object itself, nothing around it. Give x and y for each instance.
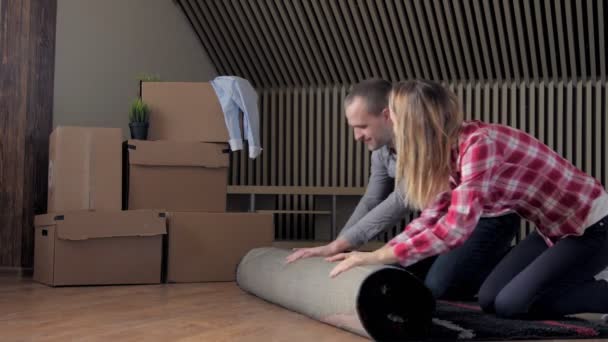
(379, 302)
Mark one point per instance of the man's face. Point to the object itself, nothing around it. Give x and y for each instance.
(374, 130)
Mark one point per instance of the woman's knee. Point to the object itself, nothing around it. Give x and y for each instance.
(507, 305)
(486, 298)
(438, 288)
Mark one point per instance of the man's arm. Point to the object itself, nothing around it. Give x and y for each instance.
(383, 216)
(380, 208)
(380, 186)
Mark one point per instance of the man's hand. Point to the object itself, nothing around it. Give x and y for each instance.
(301, 253)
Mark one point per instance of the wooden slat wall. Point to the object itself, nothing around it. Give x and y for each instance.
(321, 42)
(27, 51)
(308, 142)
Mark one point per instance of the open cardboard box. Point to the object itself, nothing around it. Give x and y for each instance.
(99, 248)
(173, 175)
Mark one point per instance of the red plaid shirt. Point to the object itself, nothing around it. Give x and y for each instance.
(497, 169)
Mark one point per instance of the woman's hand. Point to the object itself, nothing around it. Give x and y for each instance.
(333, 248)
(350, 260)
(384, 255)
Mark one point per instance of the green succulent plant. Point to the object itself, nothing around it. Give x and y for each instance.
(139, 111)
(143, 77)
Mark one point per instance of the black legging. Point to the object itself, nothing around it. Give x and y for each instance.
(534, 281)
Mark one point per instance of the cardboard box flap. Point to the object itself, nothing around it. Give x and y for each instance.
(44, 220)
(175, 153)
(83, 225)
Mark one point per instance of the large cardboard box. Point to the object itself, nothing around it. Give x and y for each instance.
(85, 170)
(184, 111)
(170, 175)
(206, 247)
(99, 248)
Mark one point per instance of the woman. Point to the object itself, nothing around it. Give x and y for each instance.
(458, 171)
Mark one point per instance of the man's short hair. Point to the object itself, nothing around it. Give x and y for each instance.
(374, 92)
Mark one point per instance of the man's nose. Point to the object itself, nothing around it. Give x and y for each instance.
(358, 135)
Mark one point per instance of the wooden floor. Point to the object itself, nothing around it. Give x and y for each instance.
(197, 312)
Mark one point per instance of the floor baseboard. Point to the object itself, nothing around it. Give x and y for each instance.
(23, 272)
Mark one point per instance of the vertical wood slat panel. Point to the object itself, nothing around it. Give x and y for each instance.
(599, 115)
(604, 116)
(587, 131)
(341, 143)
(311, 136)
(578, 126)
(330, 99)
(350, 140)
(289, 140)
(541, 113)
(273, 120)
(259, 178)
(551, 115)
(601, 36)
(281, 138)
(334, 138)
(569, 118)
(27, 46)
(318, 137)
(298, 135)
(559, 129)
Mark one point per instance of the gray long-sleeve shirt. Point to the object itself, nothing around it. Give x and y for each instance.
(381, 207)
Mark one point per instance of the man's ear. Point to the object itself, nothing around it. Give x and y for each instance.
(386, 114)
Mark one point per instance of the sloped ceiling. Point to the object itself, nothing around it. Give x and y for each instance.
(277, 43)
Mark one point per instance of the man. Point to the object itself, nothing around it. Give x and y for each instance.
(457, 274)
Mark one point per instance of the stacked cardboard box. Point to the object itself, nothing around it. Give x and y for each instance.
(111, 203)
(184, 171)
(86, 239)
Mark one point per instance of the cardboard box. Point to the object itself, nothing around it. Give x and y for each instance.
(184, 111)
(85, 170)
(209, 246)
(181, 176)
(99, 248)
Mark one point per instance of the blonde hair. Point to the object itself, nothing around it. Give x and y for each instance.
(426, 123)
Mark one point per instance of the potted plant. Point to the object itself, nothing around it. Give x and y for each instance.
(138, 120)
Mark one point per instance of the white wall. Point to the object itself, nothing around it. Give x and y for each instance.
(102, 47)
